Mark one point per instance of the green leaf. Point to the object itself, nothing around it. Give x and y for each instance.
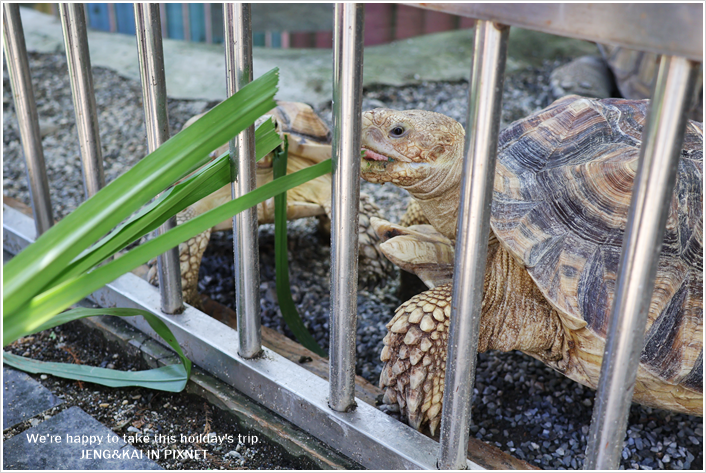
(42, 307)
(284, 294)
(171, 378)
(41, 262)
(207, 180)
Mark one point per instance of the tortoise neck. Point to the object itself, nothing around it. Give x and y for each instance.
(439, 195)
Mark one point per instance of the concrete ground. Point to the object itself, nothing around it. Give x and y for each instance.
(70, 440)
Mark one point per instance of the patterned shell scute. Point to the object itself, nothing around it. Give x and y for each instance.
(564, 179)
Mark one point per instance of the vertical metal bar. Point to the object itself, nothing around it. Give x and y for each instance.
(73, 23)
(484, 108)
(148, 29)
(239, 72)
(662, 139)
(163, 18)
(85, 15)
(349, 19)
(27, 119)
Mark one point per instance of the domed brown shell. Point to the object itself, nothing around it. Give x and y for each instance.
(562, 191)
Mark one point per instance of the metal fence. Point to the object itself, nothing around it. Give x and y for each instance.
(328, 410)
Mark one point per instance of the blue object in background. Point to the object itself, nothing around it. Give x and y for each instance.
(125, 17)
(197, 22)
(258, 38)
(98, 16)
(99, 19)
(175, 22)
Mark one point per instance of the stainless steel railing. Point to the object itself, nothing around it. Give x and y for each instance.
(26, 109)
(238, 46)
(659, 156)
(647, 219)
(484, 109)
(360, 431)
(347, 103)
(73, 23)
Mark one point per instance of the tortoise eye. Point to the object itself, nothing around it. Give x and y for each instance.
(397, 131)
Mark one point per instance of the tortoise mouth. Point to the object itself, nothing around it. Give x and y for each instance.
(370, 155)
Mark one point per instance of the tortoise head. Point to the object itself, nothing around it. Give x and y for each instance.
(413, 149)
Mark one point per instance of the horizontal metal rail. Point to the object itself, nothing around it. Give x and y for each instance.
(366, 435)
(663, 28)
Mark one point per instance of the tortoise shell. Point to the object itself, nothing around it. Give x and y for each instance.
(563, 184)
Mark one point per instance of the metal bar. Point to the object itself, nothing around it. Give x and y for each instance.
(239, 72)
(27, 119)
(661, 28)
(73, 24)
(154, 98)
(652, 193)
(163, 18)
(484, 108)
(345, 194)
(367, 435)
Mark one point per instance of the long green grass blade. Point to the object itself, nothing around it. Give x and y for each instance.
(171, 378)
(41, 262)
(284, 294)
(44, 306)
(165, 378)
(207, 180)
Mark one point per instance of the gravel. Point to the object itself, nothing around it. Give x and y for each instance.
(520, 405)
(145, 415)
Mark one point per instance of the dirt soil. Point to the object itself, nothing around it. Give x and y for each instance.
(139, 413)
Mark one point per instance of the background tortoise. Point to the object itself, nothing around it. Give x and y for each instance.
(561, 195)
(635, 72)
(309, 141)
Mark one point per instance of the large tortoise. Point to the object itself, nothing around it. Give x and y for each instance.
(309, 141)
(562, 190)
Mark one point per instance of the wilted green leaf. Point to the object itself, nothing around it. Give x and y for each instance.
(171, 378)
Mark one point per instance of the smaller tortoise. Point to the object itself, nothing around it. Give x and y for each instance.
(309, 143)
(562, 190)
